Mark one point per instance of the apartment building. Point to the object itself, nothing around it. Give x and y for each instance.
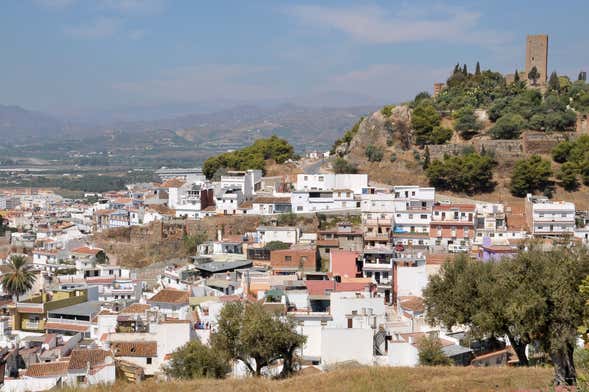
(413, 213)
(549, 218)
(452, 224)
(377, 213)
(328, 181)
(490, 219)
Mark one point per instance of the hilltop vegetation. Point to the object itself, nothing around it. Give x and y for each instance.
(251, 157)
(475, 111)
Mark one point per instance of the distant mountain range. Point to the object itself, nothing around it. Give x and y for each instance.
(304, 126)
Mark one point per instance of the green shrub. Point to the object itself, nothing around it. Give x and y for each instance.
(374, 153)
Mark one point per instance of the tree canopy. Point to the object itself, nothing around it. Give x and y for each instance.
(530, 175)
(251, 157)
(195, 360)
(258, 338)
(531, 298)
(20, 276)
(470, 173)
(575, 155)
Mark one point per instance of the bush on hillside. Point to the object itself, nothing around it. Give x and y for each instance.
(466, 123)
(508, 127)
(530, 175)
(342, 166)
(374, 153)
(470, 173)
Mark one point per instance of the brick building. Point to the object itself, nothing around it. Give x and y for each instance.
(293, 260)
(537, 55)
(452, 224)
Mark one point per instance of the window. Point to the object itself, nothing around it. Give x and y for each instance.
(287, 258)
(306, 178)
(148, 361)
(321, 178)
(423, 216)
(299, 208)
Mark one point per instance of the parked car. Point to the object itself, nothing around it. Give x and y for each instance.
(399, 248)
(457, 248)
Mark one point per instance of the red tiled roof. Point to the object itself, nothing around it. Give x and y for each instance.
(135, 308)
(171, 296)
(412, 303)
(79, 359)
(173, 183)
(67, 327)
(271, 200)
(24, 309)
(230, 298)
(134, 349)
(47, 369)
(319, 287)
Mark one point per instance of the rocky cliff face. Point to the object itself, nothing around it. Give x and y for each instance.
(394, 136)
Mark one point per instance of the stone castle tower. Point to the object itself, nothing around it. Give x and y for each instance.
(537, 55)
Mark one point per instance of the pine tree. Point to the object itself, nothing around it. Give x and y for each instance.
(516, 76)
(582, 76)
(464, 70)
(477, 71)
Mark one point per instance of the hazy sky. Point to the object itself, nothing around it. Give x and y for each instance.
(68, 55)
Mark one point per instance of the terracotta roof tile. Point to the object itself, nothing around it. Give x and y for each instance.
(67, 327)
(47, 369)
(173, 183)
(134, 349)
(135, 309)
(79, 359)
(412, 303)
(171, 296)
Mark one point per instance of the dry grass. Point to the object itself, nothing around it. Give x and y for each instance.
(369, 379)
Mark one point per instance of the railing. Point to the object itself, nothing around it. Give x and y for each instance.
(67, 321)
(378, 236)
(378, 222)
(30, 305)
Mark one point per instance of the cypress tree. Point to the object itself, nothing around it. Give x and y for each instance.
(426, 158)
(464, 70)
(516, 76)
(553, 82)
(477, 71)
(456, 68)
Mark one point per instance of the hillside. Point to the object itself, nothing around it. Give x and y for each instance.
(447, 126)
(441, 379)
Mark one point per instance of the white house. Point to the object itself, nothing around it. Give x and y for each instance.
(249, 182)
(229, 200)
(326, 200)
(287, 234)
(329, 181)
(546, 217)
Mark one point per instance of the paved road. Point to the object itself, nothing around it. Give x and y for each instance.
(313, 167)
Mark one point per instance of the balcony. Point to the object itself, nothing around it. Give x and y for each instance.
(383, 265)
(376, 236)
(38, 325)
(378, 222)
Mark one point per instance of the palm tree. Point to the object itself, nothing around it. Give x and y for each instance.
(20, 278)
